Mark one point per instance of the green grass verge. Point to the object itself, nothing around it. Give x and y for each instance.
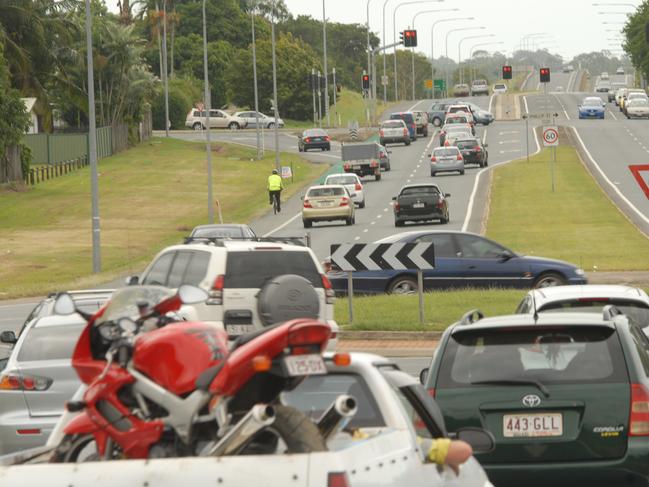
(149, 196)
(576, 223)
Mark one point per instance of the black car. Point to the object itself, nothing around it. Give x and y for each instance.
(473, 151)
(420, 202)
(314, 139)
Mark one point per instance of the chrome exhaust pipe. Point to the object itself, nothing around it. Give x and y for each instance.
(336, 417)
(259, 417)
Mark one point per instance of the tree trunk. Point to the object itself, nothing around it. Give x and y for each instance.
(10, 166)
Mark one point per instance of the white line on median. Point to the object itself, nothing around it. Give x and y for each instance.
(527, 110)
(277, 229)
(490, 102)
(612, 115)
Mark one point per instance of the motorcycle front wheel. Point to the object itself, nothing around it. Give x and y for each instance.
(76, 449)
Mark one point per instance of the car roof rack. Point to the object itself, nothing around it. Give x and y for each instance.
(471, 317)
(302, 241)
(610, 311)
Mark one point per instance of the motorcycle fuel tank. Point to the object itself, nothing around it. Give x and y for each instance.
(174, 356)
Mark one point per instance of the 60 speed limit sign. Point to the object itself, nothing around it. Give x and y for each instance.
(550, 136)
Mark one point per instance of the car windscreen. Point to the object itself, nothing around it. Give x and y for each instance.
(499, 87)
(50, 342)
(638, 102)
(445, 152)
(218, 232)
(420, 191)
(317, 392)
(457, 120)
(396, 124)
(466, 144)
(341, 180)
(636, 310)
(550, 355)
(592, 102)
(252, 269)
(325, 192)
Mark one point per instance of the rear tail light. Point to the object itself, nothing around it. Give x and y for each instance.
(405, 131)
(308, 139)
(440, 203)
(477, 148)
(216, 293)
(29, 431)
(459, 157)
(308, 333)
(639, 418)
(261, 363)
(358, 186)
(397, 207)
(18, 382)
(433, 159)
(307, 204)
(327, 138)
(341, 359)
(446, 143)
(374, 164)
(431, 392)
(345, 201)
(337, 479)
(347, 166)
(329, 289)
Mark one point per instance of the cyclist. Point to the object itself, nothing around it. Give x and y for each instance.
(275, 188)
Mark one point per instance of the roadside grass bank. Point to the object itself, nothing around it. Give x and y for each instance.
(576, 222)
(149, 196)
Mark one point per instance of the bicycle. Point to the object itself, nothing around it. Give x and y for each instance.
(276, 202)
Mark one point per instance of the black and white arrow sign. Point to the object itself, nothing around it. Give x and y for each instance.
(375, 257)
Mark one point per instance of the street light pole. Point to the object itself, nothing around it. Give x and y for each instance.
(254, 77)
(326, 73)
(207, 107)
(275, 109)
(446, 44)
(385, 93)
(459, 51)
(432, 50)
(165, 79)
(369, 48)
(92, 147)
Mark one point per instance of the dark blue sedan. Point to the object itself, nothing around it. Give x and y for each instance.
(463, 260)
(592, 107)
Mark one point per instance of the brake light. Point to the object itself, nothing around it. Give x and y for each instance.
(446, 143)
(358, 186)
(327, 138)
(345, 201)
(459, 157)
(17, 382)
(433, 159)
(381, 132)
(30, 431)
(347, 166)
(216, 293)
(308, 333)
(330, 295)
(308, 139)
(397, 207)
(374, 164)
(337, 479)
(590, 300)
(405, 131)
(477, 148)
(431, 392)
(440, 203)
(639, 418)
(307, 204)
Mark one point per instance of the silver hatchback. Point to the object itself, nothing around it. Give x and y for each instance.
(446, 159)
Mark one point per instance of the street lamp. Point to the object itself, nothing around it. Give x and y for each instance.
(446, 44)
(615, 5)
(394, 37)
(459, 51)
(474, 71)
(254, 79)
(524, 45)
(412, 51)
(326, 73)
(432, 38)
(385, 87)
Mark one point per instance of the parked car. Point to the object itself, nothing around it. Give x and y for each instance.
(592, 107)
(473, 151)
(409, 119)
(264, 120)
(479, 87)
(234, 273)
(420, 202)
(637, 107)
(591, 298)
(463, 260)
(391, 131)
(446, 159)
(454, 128)
(222, 230)
(218, 119)
(314, 139)
(619, 70)
(499, 89)
(384, 158)
(421, 121)
(352, 183)
(327, 203)
(461, 89)
(564, 394)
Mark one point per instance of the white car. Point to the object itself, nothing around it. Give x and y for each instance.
(632, 301)
(218, 119)
(237, 275)
(353, 184)
(637, 107)
(391, 131)
(264, 120)
(499, 89)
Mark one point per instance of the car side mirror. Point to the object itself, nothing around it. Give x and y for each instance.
(447, 195)
(302, 197)
(64, 305)
(132, 280)
(8, 336)
(394, 198)
(482, 441)
(505, 255)
(189, 294)
(423, 376)
(353, 195)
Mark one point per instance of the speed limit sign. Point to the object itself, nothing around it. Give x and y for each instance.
(550, 136)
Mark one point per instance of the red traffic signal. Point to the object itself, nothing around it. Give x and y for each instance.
(507, 72)
(366, 81)
(544, 74)
(409, 38)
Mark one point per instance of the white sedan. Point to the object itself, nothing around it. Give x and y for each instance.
(264, 120)
(352, 183)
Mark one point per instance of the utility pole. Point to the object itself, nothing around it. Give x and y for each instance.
(324, 42)
(92, 147)
(319, 102)
(164, 65)
(207, 108)
(272, 35)
(333, 72)
(315, 113)
(254, 77)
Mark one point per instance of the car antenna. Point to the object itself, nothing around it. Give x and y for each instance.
(536, 313)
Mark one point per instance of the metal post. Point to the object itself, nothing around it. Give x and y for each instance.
(554, 156)
(319, 102)
(432, 61)
(420, 287)
(208, 107)
(385, 94)
(369, 47)
(326, 72)
(92, 147)
(333, 72)
(315, 113)
(412, 52)
(394, 57)
(350, 294)
(275, 109)
(165, 79)
(254, 77)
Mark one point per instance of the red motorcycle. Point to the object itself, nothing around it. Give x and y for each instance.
(179, 389)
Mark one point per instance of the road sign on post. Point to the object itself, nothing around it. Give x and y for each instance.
(428, 83)
(550, 136)
(376, 257)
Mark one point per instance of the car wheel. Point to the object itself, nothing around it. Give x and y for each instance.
(398, 223)
(407, 142)
(307, 223)
(437, 122)
(234, 126)
(322, 149)
(361, 204)
(426, 133)
(432, 174)
(387, 168)
(550, 279)
(462, 173)
(403, 285)
(349, 221)
(271, 125)
(197, 126)
(377, 177)
(299, 149)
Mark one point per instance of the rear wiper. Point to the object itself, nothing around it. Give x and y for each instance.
(533, 382)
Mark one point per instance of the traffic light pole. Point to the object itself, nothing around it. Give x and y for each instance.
(313, 93)
(333, 80)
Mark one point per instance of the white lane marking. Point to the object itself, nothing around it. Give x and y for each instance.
(379, 216)
(287, 222)
(357, 238)
(385, 209)
(365, 231)
(509, 132)
(476, 181)
(490, 102)
(562, 107)
(509, 151)
(611, 184)
(372, 223)
(515, 141)
(407, 180)
(527, 110)
(484, 136)
(612, 115)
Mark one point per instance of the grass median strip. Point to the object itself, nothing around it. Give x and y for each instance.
(150, 196)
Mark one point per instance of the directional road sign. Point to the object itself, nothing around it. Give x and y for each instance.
(374, 257)
(550, 136)
(440, 84)
(428, 84)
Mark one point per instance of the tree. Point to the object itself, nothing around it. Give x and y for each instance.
(636, 43)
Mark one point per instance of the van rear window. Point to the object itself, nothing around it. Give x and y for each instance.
(252, 269)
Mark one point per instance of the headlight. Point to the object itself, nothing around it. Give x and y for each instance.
(580, 272)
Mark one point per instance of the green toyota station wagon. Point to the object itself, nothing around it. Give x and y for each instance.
(566, 395)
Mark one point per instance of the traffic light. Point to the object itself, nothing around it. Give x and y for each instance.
(507, 72)
(544, 74)
(366, 81)
(409, 38)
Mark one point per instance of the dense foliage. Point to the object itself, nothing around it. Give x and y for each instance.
(636, 43)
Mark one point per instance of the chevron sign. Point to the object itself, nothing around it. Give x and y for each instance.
(375, 257)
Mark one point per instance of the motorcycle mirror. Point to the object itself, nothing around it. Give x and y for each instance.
(191, 294)
(109, 331)
(128, 325)
(64, 305)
